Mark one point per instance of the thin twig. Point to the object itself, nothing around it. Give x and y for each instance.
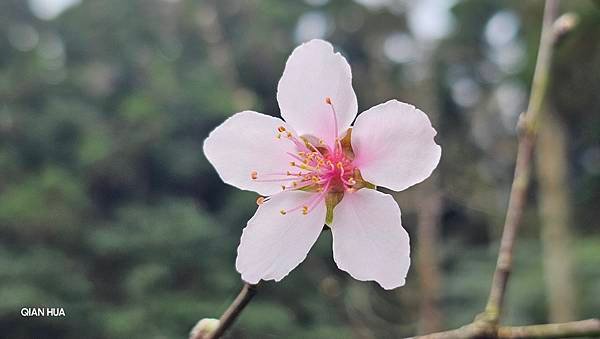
(232, 312)
(518, 195)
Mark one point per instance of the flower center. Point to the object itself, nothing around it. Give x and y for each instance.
(316, 167)
(320, 169)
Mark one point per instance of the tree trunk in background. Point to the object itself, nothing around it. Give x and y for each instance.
(555, 211)
(429, 214)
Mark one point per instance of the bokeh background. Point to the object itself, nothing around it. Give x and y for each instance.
(109, 209)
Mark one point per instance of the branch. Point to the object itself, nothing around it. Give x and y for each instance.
(230, 315)
(581, 328)
(518, 195)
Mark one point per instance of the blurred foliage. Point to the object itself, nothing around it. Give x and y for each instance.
(109, 209)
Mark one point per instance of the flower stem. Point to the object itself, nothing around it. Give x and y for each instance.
(232, 312)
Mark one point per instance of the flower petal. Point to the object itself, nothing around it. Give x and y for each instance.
(247, 142)
(368, 239)
(274, 244)
(312, 73)
(394, 145)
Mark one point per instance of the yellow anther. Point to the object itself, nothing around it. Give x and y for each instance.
(305, 210)
(289, 135)
(294, 184)
(315, 179)
(292, 163)
(278, 136)
(328, 100)
(281, 129)
(321, 141)
(339, 165)
(254, 175)
(260, 200)
(283, 212)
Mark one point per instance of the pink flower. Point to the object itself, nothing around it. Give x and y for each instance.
(314, 169)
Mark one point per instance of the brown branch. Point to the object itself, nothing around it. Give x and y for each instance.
(230, 315)
(581, 328)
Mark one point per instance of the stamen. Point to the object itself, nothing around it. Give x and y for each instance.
(290, 136)
(319, 198)
(306, 208)
(254, 175)
(321, 168)
(335, 122)
(276, 180)
(295, 157)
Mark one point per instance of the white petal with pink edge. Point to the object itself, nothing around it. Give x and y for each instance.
(394, 145)
(369, 241)
(313, 73)
(274, 244)
(247, 143)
